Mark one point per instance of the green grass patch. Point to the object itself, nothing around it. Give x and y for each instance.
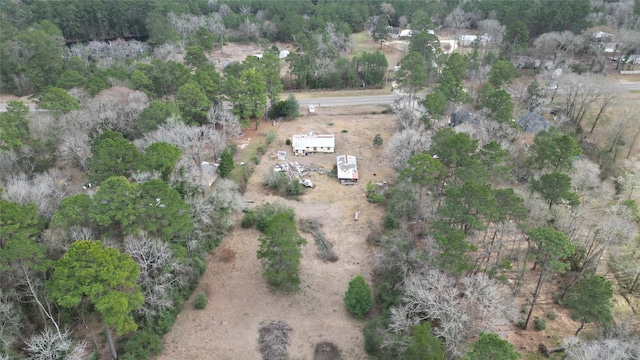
(246, 156)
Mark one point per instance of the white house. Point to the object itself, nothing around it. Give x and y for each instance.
(467, 40)
(313, 143)
(347, 169)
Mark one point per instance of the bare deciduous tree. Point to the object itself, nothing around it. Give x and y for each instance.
(585, 177)
(159, 272)
(388, 10)
(580, 93)
(45, 190)
(494, 31)
(461, 309)
(611, 349)
(49, 345)
(405, 144)
(10, 322)
(558, 46)
(250, 30)
(225, 119)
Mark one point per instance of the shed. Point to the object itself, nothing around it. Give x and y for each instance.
(532, 122)
(313, 143)
(462, 116)
(283, 54)
(209, 173)
(347, 169)
(406, 33)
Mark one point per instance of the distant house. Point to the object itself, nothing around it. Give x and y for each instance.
(406, 33)
(313, 143)
(467, 40)
(209, 173)
(602, 36)
(527, 62)
(347, 169)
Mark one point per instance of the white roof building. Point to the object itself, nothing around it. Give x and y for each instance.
(283, 54)
(313, 143)
(347, 169)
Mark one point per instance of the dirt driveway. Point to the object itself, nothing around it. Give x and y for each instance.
(239, 300)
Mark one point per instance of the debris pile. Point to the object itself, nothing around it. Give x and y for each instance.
(296, 170)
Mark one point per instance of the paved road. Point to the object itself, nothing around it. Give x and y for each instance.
(629, 86)
(362, 100)
(349, 100)
(388, 99)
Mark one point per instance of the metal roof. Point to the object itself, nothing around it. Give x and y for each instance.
(310, 141)
(347, 167)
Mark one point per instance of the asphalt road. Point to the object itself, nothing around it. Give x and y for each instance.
(388, 99)
(361, 100)
(349, 100)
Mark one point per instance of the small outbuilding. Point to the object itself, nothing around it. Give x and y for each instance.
(313, 143)
(347, 169)
(209, 173)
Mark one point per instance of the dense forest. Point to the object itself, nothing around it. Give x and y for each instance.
(105, 222)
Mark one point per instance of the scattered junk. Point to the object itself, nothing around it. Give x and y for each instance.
(244, 143)
(347, 169)
(282, 155)
(356, 216)
(298, 171)
(306, 183)
(312, 110)
(313, 143)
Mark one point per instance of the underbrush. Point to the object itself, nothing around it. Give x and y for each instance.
(325, 247)
(282, 184)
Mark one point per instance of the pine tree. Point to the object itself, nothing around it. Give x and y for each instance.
(358, 299)
(226, 163)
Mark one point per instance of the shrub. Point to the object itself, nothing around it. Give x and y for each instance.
(141, 344)
(377, 141)
(294, 188)
(274, 180)
(287, 142)
(279, 252)
(200, 302)
(344, 131)
(261, 150)
(540, 323)
(271, 136)
(265, 214)
(551, 314)
(390, 221)
(289, 109)
(248, 220)
(358, 299)
(255, 159)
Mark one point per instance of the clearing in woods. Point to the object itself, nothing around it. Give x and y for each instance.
(239, 299)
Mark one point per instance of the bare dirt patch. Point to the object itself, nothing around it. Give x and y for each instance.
(239, 299)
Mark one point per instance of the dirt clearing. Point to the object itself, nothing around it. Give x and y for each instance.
(239, 299)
